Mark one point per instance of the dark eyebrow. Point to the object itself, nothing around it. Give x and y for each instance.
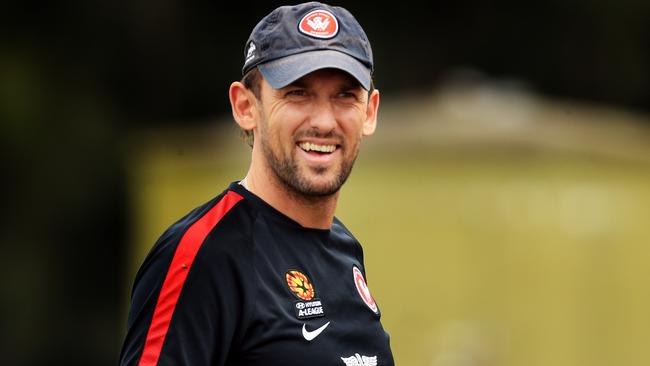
(351, 87)
(297, 84)
(351, 84)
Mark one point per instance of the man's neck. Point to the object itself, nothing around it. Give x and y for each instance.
(311, 212)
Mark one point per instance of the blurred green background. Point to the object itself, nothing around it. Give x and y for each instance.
(491, 236)
(502, 204)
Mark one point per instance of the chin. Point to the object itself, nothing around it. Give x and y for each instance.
(318, 185)
(320, 188)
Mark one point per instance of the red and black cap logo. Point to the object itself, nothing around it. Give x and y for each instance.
(320, 24)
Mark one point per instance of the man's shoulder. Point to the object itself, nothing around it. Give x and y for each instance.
(211, 213)
(343, 235)
(216, 220)
(209, 241)
(339, 228)
(223, 216)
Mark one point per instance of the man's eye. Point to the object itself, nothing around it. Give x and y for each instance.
(347, 95)
(296, 92)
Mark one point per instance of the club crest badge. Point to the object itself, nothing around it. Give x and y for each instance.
(319, 24)
(308, 306)
(363, 290)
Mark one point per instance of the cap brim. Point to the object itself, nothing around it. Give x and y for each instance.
(282, 72)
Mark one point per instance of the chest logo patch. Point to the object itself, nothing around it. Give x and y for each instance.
(309, 306)
(363, 290)
(300, 286)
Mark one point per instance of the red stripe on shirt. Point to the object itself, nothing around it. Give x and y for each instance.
(178, 270)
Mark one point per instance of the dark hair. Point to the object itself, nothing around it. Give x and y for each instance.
(252, 80)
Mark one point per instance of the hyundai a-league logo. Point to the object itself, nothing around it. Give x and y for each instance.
(300, 286)
(308, 306)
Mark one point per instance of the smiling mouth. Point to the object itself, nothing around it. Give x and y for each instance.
(311, 147)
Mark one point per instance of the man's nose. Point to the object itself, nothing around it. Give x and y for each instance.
(323, 117)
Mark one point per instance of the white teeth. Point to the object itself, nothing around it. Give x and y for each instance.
(308, 146)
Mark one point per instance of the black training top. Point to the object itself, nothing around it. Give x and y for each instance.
(236, 282)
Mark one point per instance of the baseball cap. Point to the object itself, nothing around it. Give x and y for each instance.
(293, 41)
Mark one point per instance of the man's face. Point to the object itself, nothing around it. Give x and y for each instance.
(310, 131)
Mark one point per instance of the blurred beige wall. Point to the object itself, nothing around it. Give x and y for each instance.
(499, 228)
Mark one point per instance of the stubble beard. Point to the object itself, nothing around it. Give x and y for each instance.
(288, 173)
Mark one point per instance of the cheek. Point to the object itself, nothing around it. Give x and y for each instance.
(351, 123)
(278, 135)
(283, 127)
(292, 119)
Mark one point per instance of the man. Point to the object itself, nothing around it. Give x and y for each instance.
(264, 274)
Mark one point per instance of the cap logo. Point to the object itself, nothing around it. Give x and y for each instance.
(250, 54)
(319, 24)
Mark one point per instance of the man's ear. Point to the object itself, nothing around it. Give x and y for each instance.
(244, 106)
(370, 124)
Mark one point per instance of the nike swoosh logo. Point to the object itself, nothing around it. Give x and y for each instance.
(314, 333)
